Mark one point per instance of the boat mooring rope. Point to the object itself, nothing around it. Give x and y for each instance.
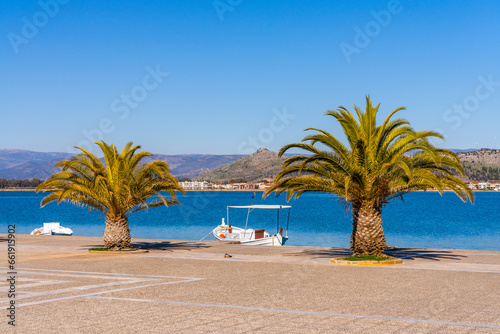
(206, 236)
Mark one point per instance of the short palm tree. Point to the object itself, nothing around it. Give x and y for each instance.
(118, 187)
(379, 163)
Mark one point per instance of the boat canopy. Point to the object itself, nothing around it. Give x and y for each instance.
(264, 206)
(261, 206)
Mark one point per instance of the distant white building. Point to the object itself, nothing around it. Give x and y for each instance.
(195, 185)
(495, 186)
(472, 185)
(482, 185)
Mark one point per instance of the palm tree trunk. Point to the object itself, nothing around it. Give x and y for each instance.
(367, 232)
(117, 233)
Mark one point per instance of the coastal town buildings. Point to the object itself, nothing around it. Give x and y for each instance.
(204, 185)
(484, 185)
(196, 185)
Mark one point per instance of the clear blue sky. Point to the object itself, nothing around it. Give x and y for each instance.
(84, 66)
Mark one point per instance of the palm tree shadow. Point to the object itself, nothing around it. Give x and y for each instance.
(322, 253)
(169, 245)
(163, 245)
(402, 253)
(421, 253)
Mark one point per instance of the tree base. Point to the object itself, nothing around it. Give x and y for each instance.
(391, 260)
(117, 251)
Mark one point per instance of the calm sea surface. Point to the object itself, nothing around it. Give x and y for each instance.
(422, 220)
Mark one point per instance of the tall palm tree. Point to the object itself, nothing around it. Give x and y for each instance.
(378, 164)
(118, 187)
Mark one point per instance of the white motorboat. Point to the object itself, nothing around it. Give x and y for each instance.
(246, 236)
(52, 229)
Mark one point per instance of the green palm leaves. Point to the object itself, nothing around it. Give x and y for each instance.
(119, 186)
(377, 163)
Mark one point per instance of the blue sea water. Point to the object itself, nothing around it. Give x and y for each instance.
(423, 219)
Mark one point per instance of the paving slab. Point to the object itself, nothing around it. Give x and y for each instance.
(190, 287)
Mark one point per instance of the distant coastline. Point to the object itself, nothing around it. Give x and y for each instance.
(17, 189)
(254, 190)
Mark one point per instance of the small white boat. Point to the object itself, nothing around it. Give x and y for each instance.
(246, 236)
(52, 229)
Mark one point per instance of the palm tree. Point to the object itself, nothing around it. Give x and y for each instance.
(378, 164)
(118, 187)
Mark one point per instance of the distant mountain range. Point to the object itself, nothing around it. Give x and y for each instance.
(479, 165)
(263, 164)
(192, 165)
(22, 164)
(466, 150)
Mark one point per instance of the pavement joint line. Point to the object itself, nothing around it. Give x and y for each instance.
(126, 279)
(446, 253)
(197, 258)
(246, 258)
(73, 290)
(109, 291)
(40, 283)
(475, 254)
(473, 264)
(402, 266)
(434, 253)
(17, 291)
(96, 272)
(293, 261)
(27, 273)
(300, 312)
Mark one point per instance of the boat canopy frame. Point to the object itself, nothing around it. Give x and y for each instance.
(263, 206)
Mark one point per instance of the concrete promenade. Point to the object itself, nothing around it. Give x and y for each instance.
(190, 287)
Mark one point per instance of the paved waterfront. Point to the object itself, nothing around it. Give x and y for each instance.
(190, 287)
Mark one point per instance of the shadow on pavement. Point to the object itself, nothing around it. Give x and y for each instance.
(412, 254)
(402, 253)
(163, 245)
(169, 245)
(326, 252)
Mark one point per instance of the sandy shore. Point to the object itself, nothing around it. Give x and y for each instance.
(190, 287)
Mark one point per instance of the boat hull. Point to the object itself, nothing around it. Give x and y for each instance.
(247, 237)
(274, 240)
(52, 229)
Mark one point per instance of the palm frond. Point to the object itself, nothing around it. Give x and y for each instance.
(119, 186)
(380, 162)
